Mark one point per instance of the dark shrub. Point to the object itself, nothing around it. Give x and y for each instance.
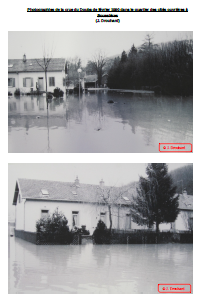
(54, 229)
(17, 92)
(101, 235)
(58, 93)
(10, 94)
(50, 95)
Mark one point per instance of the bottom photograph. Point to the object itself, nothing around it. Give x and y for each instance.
(100, 228)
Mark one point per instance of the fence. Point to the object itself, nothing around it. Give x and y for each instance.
(147, 237)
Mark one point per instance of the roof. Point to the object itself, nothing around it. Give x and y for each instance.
(31, 65)
(91, 78)
(65, 191)
(185, 202)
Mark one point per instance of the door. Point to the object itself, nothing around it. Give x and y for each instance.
(40, 82)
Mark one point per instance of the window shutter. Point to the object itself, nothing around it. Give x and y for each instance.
(63, 82)
(53, 81)
(32, 82)
(24, 82)
(13, 82)
(49, 81)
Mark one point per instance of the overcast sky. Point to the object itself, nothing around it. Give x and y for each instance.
(112, 174)
(81, 44)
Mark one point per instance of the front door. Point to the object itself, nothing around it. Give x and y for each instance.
(40, 82)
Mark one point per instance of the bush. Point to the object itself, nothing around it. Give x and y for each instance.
(10, 94)
(58, 93)
(101, 235)
(17, 92)
(54, 229)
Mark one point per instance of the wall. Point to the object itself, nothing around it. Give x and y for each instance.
(19, 214)
(181, 223)
(16, 76)
(89, 214)
(59, 75)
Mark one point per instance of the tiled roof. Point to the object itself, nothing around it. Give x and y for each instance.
(31, 189)
(31, 65)
(91, 78)
(185, 201)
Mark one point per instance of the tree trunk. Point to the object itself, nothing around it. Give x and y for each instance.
(110, 218)
(157, 227)
(46, 88)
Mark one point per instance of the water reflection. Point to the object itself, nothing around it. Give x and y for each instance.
(134, 123)
(97, 269)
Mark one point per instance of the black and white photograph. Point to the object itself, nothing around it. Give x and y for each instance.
(99, 91)
(100, 228)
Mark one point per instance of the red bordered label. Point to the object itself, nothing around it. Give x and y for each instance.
(174, 288)
(175, 147)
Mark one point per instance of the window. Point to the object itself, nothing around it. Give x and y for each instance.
(28, 82)
(51, 81)
(44, 213)
(103, 217)
(75, 218)
(44, 192)
(10, 65)
(128, 221)
(126, 198)
(11, 82)
(74, 193)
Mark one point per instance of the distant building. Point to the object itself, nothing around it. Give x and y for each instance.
(27, 75)
(184, 221)
(91, 81)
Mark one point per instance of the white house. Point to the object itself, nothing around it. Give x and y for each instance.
(184, 221)
(27, 75)
(84, 204)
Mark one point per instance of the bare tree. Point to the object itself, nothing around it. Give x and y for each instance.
(112, 197)
(44, 64)
(97, 63)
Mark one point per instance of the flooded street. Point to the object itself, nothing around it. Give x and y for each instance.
(134, 123)
(97, 268)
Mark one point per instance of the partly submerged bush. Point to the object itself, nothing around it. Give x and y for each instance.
(54, 229)
(17, 92)
(58, 93)
(101, 235)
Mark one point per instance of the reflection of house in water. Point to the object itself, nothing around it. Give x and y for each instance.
(41, 102)
(12, 106)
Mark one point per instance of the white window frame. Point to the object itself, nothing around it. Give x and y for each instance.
(75, 214)
(45, 211)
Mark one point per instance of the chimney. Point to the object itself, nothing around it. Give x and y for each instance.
(76, 181)
(102, 183)
(24, 58)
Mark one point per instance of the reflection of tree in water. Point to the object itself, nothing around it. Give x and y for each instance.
(100, 254)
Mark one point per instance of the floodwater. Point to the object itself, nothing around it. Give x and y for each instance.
(127, 269)
(134, 123)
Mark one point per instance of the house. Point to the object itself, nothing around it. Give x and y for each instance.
(85, 205)
(82, 204)
(91, 81)
(27, 75)
(184, 221)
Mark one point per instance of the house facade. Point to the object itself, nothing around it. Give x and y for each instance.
(82, 204)
(27, 75)
(85, 205)
(184, 220)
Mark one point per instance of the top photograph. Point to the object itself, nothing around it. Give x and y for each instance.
(100, 92)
